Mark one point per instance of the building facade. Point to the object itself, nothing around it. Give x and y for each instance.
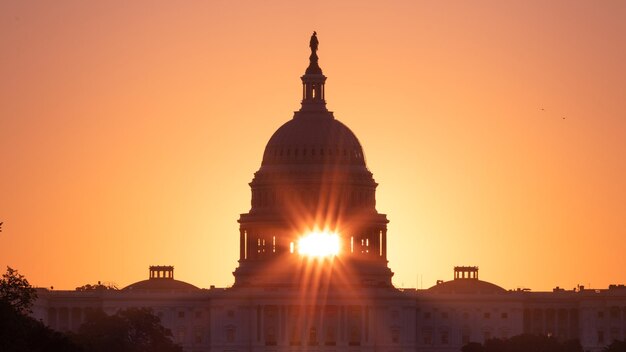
(314, 193)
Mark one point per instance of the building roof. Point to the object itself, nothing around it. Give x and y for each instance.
(466, 286)
(160, 284)
(161, 278)
(313, 138)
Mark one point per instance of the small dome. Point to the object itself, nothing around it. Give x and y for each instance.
(313, 138)
(161, 278)
(160, 284)
(467, 286)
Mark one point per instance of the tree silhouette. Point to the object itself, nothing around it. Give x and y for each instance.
(18, 331)
(616, 346)
(473, 347)
(130, 330)
(97, 287)
(16, 291)
(524, 343)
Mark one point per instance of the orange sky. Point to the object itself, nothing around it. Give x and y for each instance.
(129, 132)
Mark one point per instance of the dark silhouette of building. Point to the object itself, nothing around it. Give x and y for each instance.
(313, 180)
(313, 175)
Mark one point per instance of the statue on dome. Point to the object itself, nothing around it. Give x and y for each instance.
(313, 68)
(313, 43)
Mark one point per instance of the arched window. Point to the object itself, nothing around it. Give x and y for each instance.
(270, 336)
(312, 336)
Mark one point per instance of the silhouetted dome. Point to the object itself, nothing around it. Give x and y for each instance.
(160, 284)
(313, 176)
(467, 286)
(313, 138)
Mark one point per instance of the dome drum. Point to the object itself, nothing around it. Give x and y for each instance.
(268, 243)
(312, 198)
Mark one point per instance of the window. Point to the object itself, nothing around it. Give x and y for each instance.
(260, 245)
(427, 337)
(465, 337)
(270, 336)
(355, 322)
(615, 313)
(600, 337)
(181, 314)
(562, 316)
(504, 333)
(312, 336)
(395, 335)
(330, 336)
(444, 338)
(427, 315)
(355, 337)
(230, 334)
(294, 339)
(444, 315)
(600, 314)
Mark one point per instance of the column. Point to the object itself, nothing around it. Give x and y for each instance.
(242, 245)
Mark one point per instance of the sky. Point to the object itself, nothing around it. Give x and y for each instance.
(129, 132)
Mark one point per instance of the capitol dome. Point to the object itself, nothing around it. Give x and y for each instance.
(313, 179)
(313, 138)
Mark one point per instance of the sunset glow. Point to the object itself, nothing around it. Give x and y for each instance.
(495, 130)
(319, 244)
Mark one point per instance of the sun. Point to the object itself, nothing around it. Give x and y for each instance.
(319, 244)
